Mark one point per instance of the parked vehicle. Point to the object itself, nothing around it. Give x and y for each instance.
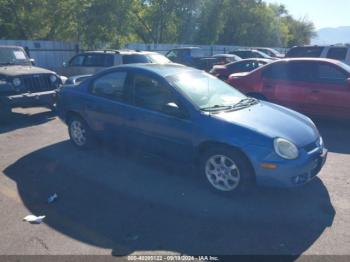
(270, 52)
(75, 80)
(250, 53)
(315, 86)
(22, 84)
(188, 115)
(337, 52)
(245, 65)
(223, 59)
(194, 57)
(91, 62)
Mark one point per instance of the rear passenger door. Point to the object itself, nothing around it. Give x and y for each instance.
(277, 87)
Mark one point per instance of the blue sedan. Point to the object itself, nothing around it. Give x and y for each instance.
(188, 115)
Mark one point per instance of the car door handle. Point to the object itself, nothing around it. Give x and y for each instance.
(314, 91)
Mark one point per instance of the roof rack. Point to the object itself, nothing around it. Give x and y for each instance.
(110, 50)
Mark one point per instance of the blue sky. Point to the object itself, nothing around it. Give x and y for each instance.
(323, 13)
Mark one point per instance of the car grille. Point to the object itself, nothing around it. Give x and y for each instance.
(37, 83)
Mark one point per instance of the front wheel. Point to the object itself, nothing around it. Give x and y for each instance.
(226, 170)
(79, 133)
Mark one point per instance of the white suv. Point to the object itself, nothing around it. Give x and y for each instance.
(89, 63)
(337, 52)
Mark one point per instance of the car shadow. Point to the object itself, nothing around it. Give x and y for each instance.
(18, 120)
(335, 134)
(132, 202)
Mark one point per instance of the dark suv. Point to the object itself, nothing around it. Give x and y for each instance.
(22, 84)
(337, 52)
(91, 62)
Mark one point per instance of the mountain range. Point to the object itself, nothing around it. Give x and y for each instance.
(331, 36)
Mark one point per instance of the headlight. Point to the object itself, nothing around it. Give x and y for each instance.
(53, 78)
(285, 148)
(16, 81)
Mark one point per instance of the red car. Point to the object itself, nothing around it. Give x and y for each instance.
(245, 65)
(314, 86)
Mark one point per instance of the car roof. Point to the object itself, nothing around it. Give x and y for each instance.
(251, 60)
(163, 70)
(186, 47)
(305, 59)
(121, 52)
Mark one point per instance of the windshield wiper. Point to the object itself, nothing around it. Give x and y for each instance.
(246, 102)
(216, 108)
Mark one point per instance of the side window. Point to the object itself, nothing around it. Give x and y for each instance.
(331, 74)
(301, 71)
(151, 94)
(77, 60)
(309, 51)
(94, 60)
(276, 72)
(172, 54)
(110, 86)
(338, 53)
(108, 60)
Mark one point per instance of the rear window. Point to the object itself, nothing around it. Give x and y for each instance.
(305, 51)
(338, 53)
(133, 59)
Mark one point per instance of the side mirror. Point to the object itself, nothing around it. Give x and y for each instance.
(64, 64)
(32, 61)
(174, 110)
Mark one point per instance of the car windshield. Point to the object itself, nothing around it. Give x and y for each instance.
(12, 56)
(158, 59)
(206, 91)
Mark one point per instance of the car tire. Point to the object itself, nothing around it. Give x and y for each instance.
(80, 133)
(226, 170)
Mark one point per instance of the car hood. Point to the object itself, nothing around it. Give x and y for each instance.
(16, 70)
(273, 121)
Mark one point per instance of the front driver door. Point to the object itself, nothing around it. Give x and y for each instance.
(329, 95)
(106, 108)
(155, 128)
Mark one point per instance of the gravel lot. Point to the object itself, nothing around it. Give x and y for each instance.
(121, 203)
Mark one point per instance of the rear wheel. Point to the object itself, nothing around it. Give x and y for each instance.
(226, 170)
(79, 133)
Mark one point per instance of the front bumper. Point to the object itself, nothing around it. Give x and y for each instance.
(290, 173)
(47, 98)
